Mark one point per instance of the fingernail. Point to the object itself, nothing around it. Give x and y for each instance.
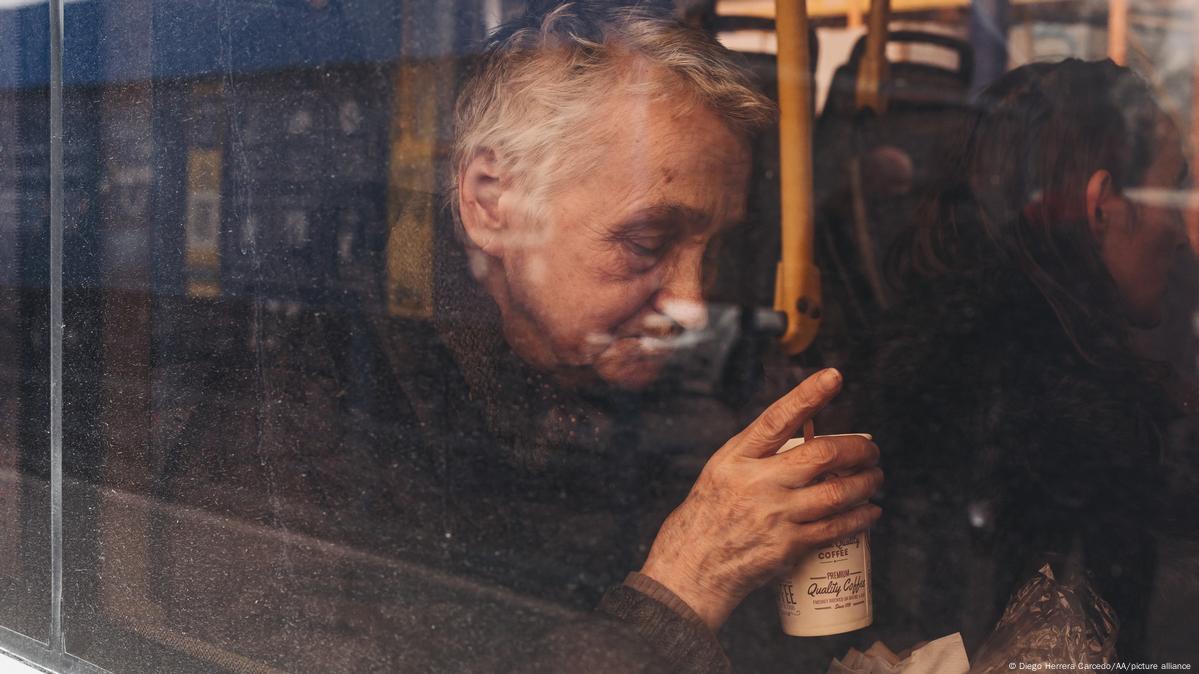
(830, 379)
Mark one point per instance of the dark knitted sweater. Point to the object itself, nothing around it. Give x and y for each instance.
(518, 484)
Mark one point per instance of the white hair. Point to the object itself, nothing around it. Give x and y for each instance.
(534, 95)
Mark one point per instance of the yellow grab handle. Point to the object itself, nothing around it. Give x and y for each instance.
(872, 71)
(797, 283)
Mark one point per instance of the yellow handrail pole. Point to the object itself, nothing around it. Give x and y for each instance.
(872, 71)
(1193, 214)
(1117, 31)
(853, 14)
(797, 282)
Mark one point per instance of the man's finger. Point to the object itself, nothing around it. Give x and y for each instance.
(834, 495)
(829, 529)
(782, 419)
(823, 456)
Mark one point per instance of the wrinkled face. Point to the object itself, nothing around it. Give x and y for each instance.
(614, 262)
(1139, 254)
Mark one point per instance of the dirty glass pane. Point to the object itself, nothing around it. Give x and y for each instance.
(231, 461)
(350, 389)
(1017, 426)
(24, 321)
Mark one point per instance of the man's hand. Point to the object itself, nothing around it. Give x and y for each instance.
(750, 516)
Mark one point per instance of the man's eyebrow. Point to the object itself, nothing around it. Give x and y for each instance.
(673, 216)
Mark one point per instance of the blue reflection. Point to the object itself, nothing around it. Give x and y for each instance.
(135, 40)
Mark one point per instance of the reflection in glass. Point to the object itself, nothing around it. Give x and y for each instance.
(256, 250)
(230, 495)
(24, 321)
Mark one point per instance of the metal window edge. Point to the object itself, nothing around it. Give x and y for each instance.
(37, 657)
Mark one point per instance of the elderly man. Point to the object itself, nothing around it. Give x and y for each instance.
(598, 152)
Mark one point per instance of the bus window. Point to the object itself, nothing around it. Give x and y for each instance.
(467, 336)
(25, 367)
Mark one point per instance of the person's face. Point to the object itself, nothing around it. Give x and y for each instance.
(1139, 251)
(614, 262)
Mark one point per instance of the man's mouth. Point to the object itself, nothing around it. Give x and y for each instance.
(648, 346)
(631, 362)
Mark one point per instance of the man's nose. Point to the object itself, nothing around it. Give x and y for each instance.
(681, 296)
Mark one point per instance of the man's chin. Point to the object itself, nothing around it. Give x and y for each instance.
(632, 374)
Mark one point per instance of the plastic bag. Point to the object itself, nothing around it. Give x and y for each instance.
(1051, 621)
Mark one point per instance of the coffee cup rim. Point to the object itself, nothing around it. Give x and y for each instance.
(796, 442)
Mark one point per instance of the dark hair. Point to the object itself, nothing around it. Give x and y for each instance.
(1019, 204)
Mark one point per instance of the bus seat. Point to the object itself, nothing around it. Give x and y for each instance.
(872, 171)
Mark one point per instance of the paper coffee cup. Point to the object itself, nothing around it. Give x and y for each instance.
(829, 591)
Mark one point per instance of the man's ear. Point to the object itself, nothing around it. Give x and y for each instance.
(1104, 206)
(480, 186)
